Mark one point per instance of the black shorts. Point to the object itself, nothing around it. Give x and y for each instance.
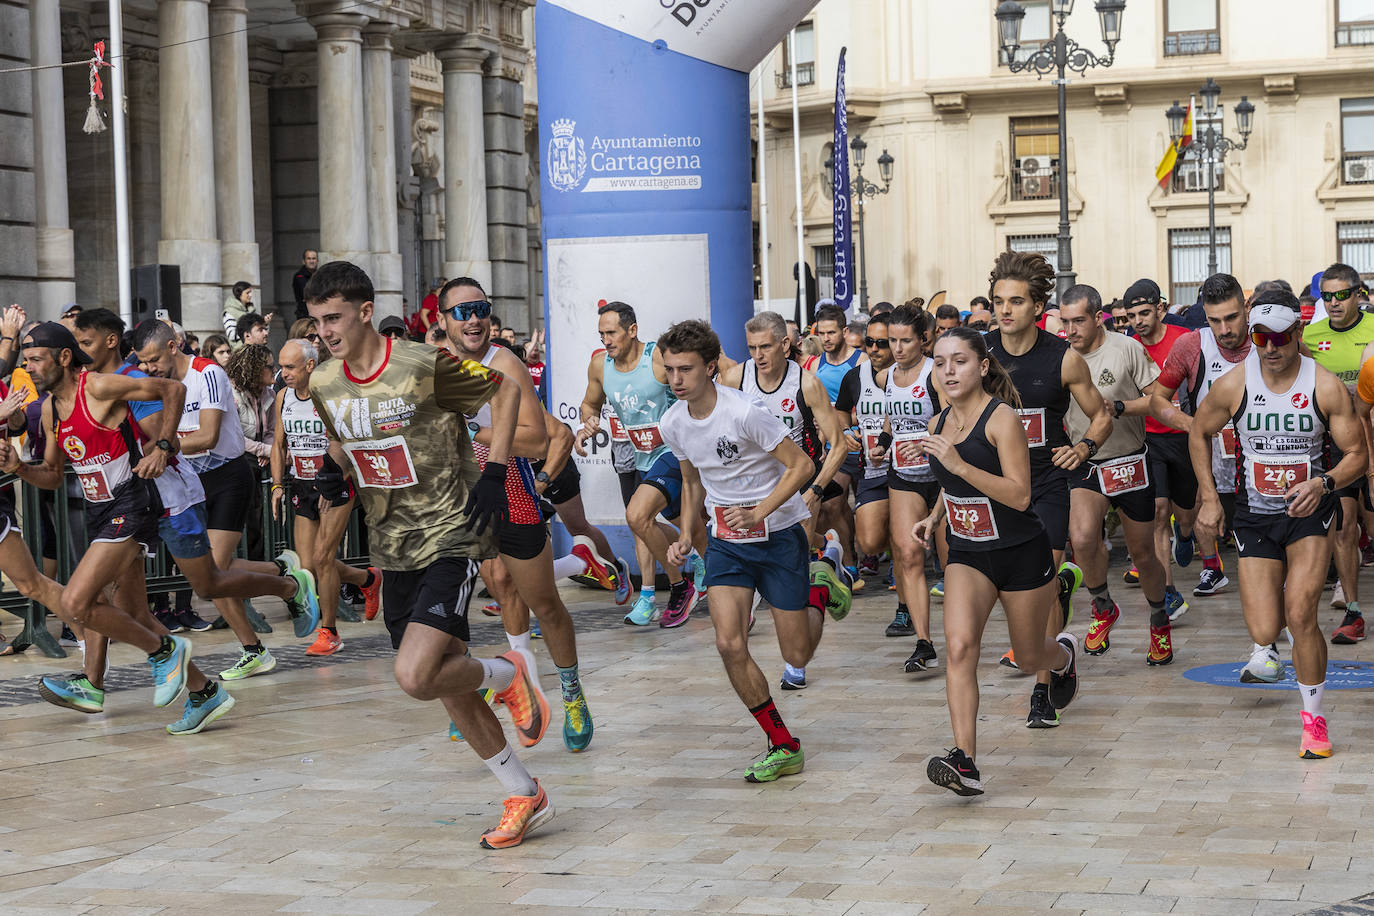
(523, 542)
(9, 520)
(1171, 468)
(436, 596)
(871, 490)
(1266, 536)
(1137, 505)
(629, 482)
(305, 498)
(1050, 502)
(929, 490)
(567, 485)
(1018, 568)
(852, 466)
(133, 513)
(226, 494)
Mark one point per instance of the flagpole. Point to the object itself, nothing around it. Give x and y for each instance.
(763, 193)
(805, 307)
(121, 168)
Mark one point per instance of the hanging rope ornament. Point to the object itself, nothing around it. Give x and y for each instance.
(94, 122)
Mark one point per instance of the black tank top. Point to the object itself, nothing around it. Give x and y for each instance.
(1039, 378)
(975, 521)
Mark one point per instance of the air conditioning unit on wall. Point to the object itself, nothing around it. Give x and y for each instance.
(1358, 171)
(1035, 186)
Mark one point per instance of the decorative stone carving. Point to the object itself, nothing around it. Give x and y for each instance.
(424, 152)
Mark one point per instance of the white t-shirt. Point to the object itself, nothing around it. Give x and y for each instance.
(207, 387)
(731, 450)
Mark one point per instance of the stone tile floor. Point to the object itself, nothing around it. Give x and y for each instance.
(328, 790)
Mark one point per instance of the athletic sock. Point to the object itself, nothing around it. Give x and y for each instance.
(1312, 697)
(833, 552)
(256, 648)
(795, 671)
(1102, 597)
(497, 673)
(818, 597)
(902, 608)
(1212, 562)
(770, 720)
(678, 588)
(647, 591)
(371, 579)
(519, 641)
(506, 767)
(1041, 688)
(569, 565)
(1353, 607)
(205, 692)
(164, 649)
(1158, 616)
(567, 678)
(332, 630)
(282, 568)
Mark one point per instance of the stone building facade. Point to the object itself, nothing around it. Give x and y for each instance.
(392, 133)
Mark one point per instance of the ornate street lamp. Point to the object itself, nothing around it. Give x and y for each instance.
(860, 188)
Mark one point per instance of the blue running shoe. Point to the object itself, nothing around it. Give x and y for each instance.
(1174, 605)
(304, 606)
(793, 678)
(200, 713)
(577, 724)
(643, 613)
(1183, 547)
(74, 693)
(938, 589)
(169, 672)
(453, 733)
(699, 572)
(622, 581)
(535, 632)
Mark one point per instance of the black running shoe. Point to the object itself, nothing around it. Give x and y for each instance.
(1064, 687)
(191, 620)
(901, 624)
(169, 620)
(955, 772)
(922, 659)
(1042, 711)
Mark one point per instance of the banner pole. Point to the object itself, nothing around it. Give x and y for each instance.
(763, 193)
(796, 171)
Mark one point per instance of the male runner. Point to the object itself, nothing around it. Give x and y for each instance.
(739, 462)
(1284, 407)
(1047, 374)
(1171, 469)
(1118, 475)
(837, 357)
(395, 414)
(524, 547)
(631, 376)
(1337, 343)
(301, 443)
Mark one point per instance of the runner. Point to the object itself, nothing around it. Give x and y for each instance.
(1171, 469)
(1047, 374)
(1119, 475)
(524, 548)
(1337, 342)
(740, 463)
(301, 443)
(395, 411)
(998, 548)
(1284, 406)
(631, 376)
(837, 357)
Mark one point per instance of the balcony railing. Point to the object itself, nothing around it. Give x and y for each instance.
(1350, 34)
(1357, 168)
(1182, 44)
(1036, 182)
(1192, 176)
(806, 75)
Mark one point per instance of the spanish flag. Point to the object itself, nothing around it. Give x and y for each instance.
(1165, 170)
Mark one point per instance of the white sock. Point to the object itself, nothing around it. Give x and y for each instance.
(834, 552)
(567, 566)
(796, 672)
(81, 644)
(1312, 697)
(506, 767)
(521, 641)
(497, 674)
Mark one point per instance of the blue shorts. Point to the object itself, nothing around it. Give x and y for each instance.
(185, 533)
(665, 476)
(871, 490)
(778, 567)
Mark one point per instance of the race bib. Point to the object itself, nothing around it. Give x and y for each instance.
(1228, 440)
(382, 463)
(618, 433)
(1273, 475)
(1123, 475)
(645, 438)
(724, 532)
(1033, 420)
(306, 467)
(902, 462)
(95, 486)
(970, 517)
(871, 444)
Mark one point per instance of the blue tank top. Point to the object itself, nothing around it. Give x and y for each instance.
(639, 400)
(832, 374)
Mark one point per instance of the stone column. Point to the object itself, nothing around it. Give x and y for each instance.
(56, 259)
(503, 105)
(380, 117)
(465, 171)
(408, 186)
(233, 135)
(343, 152)
(189, 229)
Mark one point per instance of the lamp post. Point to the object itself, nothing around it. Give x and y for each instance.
(1058, 55)
(1212, 149)
(860, 188)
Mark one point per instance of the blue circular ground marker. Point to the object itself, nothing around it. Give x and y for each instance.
(1340, 675)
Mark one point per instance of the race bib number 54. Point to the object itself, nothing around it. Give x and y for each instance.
(382, 463)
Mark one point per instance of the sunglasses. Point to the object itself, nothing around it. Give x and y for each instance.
(979, 325)
(464, 311)
(1340, 295)
(880, 342)
(313, 338)
(1276, 338)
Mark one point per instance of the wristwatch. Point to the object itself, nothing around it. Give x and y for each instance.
(1119, 407)
(166, 446)
(1328, 484)
(1092, 446)
(816, 488)
(541, 477)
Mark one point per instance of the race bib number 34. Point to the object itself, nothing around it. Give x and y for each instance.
(382, 463)
(1274, 476)
(971, 518)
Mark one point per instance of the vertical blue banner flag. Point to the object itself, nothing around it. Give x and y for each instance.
(844, 241)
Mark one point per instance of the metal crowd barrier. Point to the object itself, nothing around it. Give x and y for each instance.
(161, 571)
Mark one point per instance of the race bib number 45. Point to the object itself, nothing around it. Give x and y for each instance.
(382, 463)
(1033, 419)
(971, 518)
(1273, 476)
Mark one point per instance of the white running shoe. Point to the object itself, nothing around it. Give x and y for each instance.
(1263, 667)
(1338, 597)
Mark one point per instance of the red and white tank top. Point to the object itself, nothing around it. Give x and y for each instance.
(520, 492)
(307, 442)
(99, 455)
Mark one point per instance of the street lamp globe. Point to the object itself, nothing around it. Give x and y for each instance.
(859, 147)
(885, 167)
(1009, 15)
(1109, 14)
(1245, 117)
(1176, 115)
(1061, 7)
(1210, 93)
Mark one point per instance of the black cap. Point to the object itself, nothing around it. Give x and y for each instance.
(55, 336)
(391, 323)
(1142, 291)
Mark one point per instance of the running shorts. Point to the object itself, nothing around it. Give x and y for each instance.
(226, 494)
(1171, 468)
(1137, 505)
(1019, 568)
(776, 568)
(1266, 537)
(436, 596)
(871, 490)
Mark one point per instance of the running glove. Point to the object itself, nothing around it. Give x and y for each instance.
(331, 481)
(487, 503)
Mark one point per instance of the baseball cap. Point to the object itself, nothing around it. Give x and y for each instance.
(55, 336)
(71, 308)
(391, 323)
(1142, 291)
(1273, 316)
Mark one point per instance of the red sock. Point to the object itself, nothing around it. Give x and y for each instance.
(818, 597)
(771, 722)
(1212, 562)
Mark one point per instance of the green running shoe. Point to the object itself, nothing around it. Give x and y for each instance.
(453, 733)
(577, 724)
(1070, 581)
(200, 713)
(840, 597)
(938, 589)
(74, 693)
(304, 606)
(779, 761)
(249, 664)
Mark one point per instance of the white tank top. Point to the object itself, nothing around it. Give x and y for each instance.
(910, 408)
(870, 408)
(1214, 366)
(786, 402)
(307, 442)
(1281, 436)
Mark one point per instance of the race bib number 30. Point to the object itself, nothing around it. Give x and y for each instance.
(1033, 419)
(900, 460)
(1124, 475)
(1273, 476)
(382, 463)
(971, 518)
(645, 438)
(725, 533)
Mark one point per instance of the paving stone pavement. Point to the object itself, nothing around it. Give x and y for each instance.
(327, 789)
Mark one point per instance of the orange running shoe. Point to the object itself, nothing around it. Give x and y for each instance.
(1316, 745)
(1096, 642)
(1161, 646)
(1009, 660)
(372, 596)
(326, 643)
(523, 813)
(529, 710)
(598, 569)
